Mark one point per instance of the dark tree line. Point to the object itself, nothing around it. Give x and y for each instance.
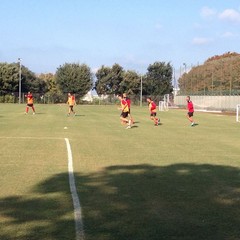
(79, 79)
(114, 80)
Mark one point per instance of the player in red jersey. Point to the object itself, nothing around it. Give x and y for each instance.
(125, 112)
(153, 111)
(29, 97)
(190, 110)
(128, 100)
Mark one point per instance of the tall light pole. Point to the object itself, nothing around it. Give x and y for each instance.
(20, 80)
(141, 93)
(185, 67)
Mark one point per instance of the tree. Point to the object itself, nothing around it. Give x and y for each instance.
(109, 79)
(30, 82)
(131, 83)
(50, 80)
(102, 85)
(158, 80)
(9, 78)
(74, 78)
(116, 76)
(220, 74)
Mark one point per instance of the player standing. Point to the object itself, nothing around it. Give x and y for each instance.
(71, 102)
(29, 97)
(125, 111)
(190, 110)
(129, 106)
(153, 111)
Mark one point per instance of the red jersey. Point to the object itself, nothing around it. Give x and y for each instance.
(124, 106)
(190, 106)
(128, 102)
(152, 107)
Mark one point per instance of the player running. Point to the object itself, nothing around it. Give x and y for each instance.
(71, 102)
(125, 112)
(190, 111)
(29, 97)
(153, 111)
(129, 106)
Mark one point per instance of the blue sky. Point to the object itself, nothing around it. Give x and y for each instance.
(133, 33)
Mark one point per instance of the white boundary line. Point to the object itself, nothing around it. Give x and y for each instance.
(76, 202)
(37, 138)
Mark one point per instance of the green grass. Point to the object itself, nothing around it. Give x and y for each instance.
(168, 182)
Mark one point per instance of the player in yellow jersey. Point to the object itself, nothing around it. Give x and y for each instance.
(125, 111)
(71, 102)
(29, 97)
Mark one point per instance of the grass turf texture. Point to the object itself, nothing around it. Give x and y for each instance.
(167, 182)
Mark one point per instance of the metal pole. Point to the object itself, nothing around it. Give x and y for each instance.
(212, 78)
(141, 93)
(231, 79)
(185, 67)
(20, 80)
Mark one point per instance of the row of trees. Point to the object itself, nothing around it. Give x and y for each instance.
(79, 79)
(219, 75)
(114, 80)
(9, 79)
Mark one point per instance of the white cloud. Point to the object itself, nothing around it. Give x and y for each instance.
(201, 41)
(207, 12)
(230, 15)
(233, 35)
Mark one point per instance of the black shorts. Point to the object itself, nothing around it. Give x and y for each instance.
(190, 114)
(124, 114)
(153, 114)
(30, 104)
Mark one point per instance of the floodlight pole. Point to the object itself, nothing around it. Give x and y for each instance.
(141, 93)
(185, 67)
(20, 80)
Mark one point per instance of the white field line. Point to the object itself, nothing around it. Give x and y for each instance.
(76, 202)
(37, 138)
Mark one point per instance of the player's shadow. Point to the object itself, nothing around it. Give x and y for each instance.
(137, 202)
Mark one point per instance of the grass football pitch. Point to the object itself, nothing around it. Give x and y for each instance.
(171, 182)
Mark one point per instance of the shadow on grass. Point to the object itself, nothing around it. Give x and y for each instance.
(134, 126)
(144, 202)
(40, 113)
(140, 202)
(45, 214)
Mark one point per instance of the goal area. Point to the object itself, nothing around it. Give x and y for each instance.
(163, 105)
